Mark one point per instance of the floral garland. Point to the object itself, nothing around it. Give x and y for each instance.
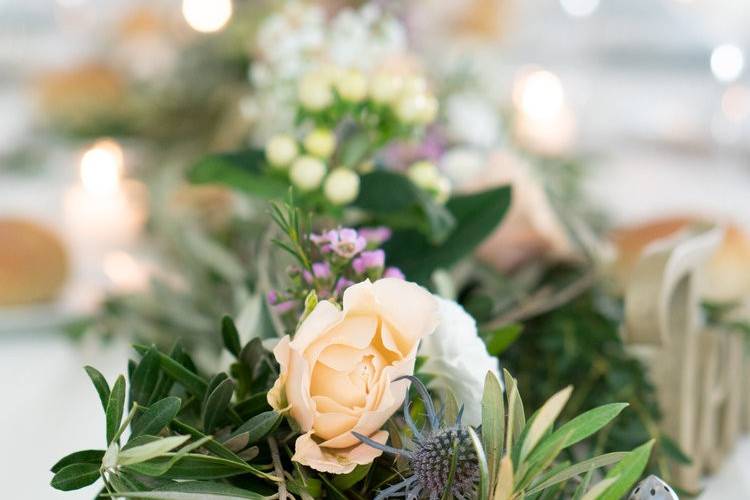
(328, 413)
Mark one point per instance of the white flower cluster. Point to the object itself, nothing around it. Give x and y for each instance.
(298, 38)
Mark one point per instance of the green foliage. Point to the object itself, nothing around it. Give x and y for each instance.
(475, 215)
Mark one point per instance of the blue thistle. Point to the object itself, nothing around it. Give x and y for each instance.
(440, 458)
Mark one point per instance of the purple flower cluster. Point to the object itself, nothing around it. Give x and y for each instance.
(340, 258)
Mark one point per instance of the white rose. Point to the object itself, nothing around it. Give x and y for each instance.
(458, 359)
(424, 174)
(385, 87)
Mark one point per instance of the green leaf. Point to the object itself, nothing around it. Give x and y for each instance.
(189, 380)
(75, 476)
(585, 424)
(392, 197)
(231, 336)
(218, 448)
(516, 416)
(259, 426)
(195, 490)
(100, 384)
(347, 481)
(385, 191)
(484, 476)
(241, 170)
(115, 408)
(145, 377)
(79, 457)
(595, 493)
(217, 403)
(158, 416)
(476, 216)
(493, 422)
(191, 466)
(253, 405)
(544, 420)
(578, 469)
(150, 450)
(627, 472)
(501, 338)
(156, 469)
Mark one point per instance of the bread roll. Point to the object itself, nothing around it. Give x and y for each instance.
(33, 263)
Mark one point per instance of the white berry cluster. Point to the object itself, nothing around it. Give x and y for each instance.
(338, 105)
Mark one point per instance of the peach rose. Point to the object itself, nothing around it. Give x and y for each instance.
(337, 374)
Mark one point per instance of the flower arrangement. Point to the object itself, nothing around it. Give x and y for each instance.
(328, 413)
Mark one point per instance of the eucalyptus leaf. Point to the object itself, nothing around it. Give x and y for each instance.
(100, 384)
(158, 416)
(115, 408)
(75, 476)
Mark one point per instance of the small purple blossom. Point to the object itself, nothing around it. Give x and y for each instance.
(394, 272)
(272, 297)
(346, 242)
(374, 259)
(375, 236)
(321, 270)
(341, 285)
(286, 306)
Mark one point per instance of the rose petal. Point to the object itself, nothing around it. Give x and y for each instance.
(410, 309)
(342, 461)
(335, 385)
(323, 317)
(298, 390)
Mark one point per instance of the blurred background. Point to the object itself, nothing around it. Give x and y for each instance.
(103, 100)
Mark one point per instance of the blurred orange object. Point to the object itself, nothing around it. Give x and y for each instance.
(33, 262)
(727, 275)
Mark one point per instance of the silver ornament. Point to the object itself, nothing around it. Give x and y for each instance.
(653, 488)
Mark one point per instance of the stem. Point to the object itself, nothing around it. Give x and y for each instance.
(278, 469)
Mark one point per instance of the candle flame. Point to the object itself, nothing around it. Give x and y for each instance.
(101, 167)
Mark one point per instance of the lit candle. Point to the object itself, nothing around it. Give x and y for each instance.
(544, 123)
(103, 212)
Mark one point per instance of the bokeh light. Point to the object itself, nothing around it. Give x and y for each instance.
(207, 16)
(101, 167)
(727, 62)
(539, 94)
(579, 8)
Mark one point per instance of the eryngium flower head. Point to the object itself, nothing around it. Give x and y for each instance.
(434, 456)
(440, 459)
